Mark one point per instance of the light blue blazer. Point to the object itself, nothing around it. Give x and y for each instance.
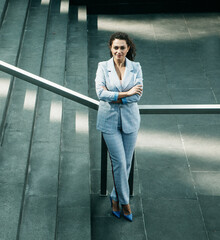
(108, 112)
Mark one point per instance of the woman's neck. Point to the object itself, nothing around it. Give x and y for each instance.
(119, 63)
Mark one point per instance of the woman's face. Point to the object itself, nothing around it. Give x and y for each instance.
(119, 49)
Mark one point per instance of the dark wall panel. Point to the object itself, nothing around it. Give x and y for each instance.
(147, 6)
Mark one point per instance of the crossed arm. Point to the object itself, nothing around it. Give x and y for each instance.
(132, 95)
(138, 89)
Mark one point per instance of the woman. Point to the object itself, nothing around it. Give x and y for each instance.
(119, 85)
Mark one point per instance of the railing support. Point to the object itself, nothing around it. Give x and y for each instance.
(104, 156)
(131, 176)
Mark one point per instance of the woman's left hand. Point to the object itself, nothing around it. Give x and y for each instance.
(118, 101)
(105, 89)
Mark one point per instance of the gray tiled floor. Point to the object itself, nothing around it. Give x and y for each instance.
(178, 157)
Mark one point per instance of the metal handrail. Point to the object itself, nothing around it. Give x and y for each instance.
(92, 103)
(180, 109)
(48, 85)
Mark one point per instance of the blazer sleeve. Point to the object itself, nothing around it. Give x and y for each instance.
(104, 95)
(138, 81)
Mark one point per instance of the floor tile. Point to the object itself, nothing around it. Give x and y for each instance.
(197, 119)
(202, 146)
(173, 219)
(10, 204)
(157, 136)
(217, 93)
(112, 228)
(73, 223)
(39, 218)
(168, 183)
(210, 206)
(169, 23)
(155, 158)
(213, 77)
(202, 22)
(214, 235)
(193, 96)
(206, 45)
(207, 183)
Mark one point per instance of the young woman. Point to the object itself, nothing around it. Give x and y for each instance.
(119, 86)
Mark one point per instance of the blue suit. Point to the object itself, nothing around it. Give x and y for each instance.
(108, 112)
(119, 122)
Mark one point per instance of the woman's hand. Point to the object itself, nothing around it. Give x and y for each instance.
(135, 90)
(138, 89)
(118, 101)
(105, 89)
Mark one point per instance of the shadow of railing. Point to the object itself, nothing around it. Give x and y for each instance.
(94, 104)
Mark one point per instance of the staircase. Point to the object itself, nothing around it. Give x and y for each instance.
(44, 173)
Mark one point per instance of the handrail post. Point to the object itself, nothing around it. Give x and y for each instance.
(131, 176)
(103, 167)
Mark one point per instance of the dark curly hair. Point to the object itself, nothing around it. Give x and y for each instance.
(124, 36)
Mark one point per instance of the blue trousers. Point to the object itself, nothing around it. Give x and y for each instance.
(121, 148)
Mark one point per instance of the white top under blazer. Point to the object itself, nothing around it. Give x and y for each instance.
(108, 112)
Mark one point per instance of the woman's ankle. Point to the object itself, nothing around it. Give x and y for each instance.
(115, 205)
(126, 209)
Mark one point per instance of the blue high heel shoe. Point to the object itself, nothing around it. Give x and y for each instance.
(128, 217)
(115, 213)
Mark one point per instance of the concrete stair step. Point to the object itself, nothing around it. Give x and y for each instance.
(3, 8)
(58, 177)
(44, 153)
(14, 152)
(42, 188)
(11, 35)
(74, 188)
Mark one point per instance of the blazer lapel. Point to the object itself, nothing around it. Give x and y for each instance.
(128, 74)
(113, 74)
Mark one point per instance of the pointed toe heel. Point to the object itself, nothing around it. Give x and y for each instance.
(128, 217)
(115, 213)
